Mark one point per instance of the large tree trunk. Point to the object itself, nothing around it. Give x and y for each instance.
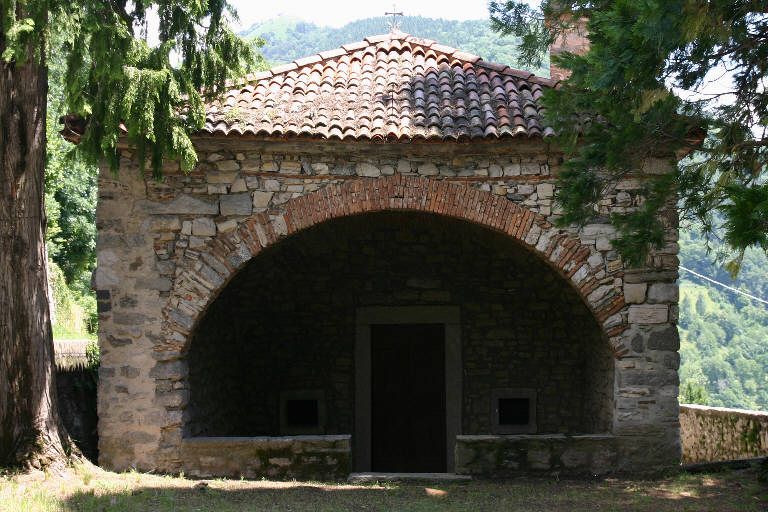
(31, 432)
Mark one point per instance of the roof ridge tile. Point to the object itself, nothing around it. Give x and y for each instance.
(329, 54)
(357, 45)
(308, 60)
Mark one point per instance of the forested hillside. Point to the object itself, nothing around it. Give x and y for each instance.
(724, 336)
(289, 39)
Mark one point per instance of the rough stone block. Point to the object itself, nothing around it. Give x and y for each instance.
(428, 169)
(545, 190)
(238, 185)
(262, 199)
(525, 189)
(214, 189)
(648, 314)
(236, 204)
(290, 167)
(634, 293)
(181, 205)
(104, 278)
(368, 170)
(603, 244)
(203, 226)
(221, 177)
(165, 223)
(663, 292)
(269, 166)
(225, 226)
(271, 185)
(227, 165)
(250, 165)
(666, 338)
(512, 169)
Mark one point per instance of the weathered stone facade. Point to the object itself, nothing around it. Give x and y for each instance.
(169, 249)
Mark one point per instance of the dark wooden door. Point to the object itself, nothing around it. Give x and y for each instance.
(408, 398)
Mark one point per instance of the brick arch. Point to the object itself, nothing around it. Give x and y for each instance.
(207, 271)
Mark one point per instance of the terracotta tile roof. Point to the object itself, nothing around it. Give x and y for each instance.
(388, 87)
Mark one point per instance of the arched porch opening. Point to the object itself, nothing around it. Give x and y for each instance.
(277, 353)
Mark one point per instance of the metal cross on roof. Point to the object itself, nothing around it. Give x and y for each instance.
(394, 24)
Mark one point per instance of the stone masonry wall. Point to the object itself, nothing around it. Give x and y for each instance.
(522, 326)
(298, 457)
(166, 249)
(711, 434)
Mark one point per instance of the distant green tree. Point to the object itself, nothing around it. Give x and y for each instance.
(633, 85)
(701, 306)
(693, 393)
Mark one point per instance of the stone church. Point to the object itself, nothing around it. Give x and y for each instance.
(363, 274)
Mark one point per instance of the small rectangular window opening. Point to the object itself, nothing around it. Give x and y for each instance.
(514, 411)
(302, 412)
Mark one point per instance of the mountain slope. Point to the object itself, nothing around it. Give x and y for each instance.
(289, 39)
(724, 335)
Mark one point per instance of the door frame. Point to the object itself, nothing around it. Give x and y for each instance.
(449, 316)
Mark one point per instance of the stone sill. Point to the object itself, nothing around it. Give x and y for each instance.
(511, 437)
(263, 439)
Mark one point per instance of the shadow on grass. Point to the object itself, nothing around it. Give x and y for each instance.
(677, 494)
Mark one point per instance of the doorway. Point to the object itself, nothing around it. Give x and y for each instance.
(408, 431)
(379, 328)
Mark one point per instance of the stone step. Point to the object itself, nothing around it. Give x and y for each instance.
(370, 477)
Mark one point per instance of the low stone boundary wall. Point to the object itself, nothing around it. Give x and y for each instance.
(299, 457)
(710, 434)
(499, 456)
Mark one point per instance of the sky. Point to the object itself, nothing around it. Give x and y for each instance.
(336, 13)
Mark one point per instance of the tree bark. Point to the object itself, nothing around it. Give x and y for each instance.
(31, 431)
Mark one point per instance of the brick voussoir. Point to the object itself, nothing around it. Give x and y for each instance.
(610, 308)
(578, 265)
(617, 330)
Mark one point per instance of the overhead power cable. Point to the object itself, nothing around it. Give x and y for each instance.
(718, 283)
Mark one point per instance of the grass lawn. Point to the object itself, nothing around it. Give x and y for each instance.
(88, 488)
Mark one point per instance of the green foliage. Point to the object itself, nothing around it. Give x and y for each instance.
(120, 83)
(627, 101)
(70, 191)
(693, 393)
(288, 39)
(75, 315)
(723, 335)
